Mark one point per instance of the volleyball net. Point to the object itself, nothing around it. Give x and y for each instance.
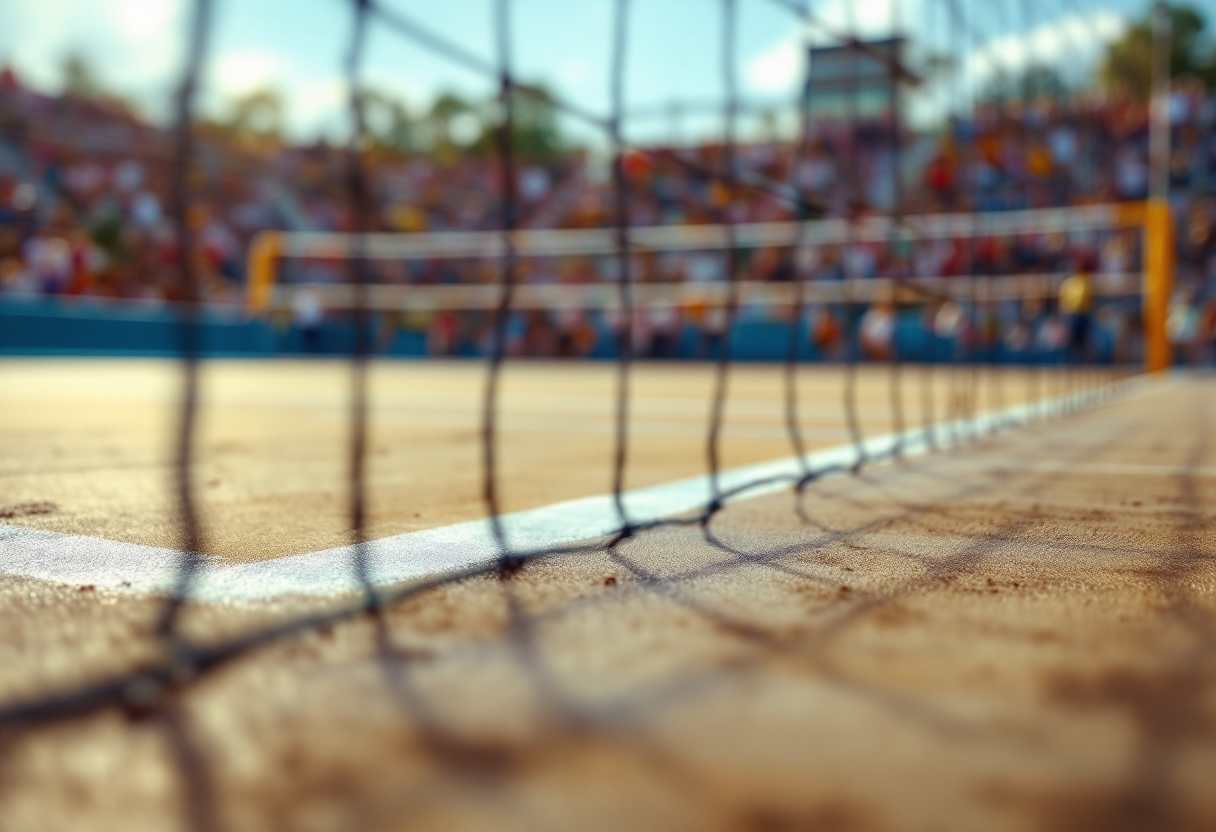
(927, 286)
(1084, 289)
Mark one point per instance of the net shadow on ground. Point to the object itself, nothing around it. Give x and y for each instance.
(1144, 800)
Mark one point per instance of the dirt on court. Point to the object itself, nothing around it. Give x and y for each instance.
(88, 443)
(1015, 635)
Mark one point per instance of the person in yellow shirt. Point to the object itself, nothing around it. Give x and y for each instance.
(1076, 304)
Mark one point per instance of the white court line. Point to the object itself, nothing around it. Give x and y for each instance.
(80, 560)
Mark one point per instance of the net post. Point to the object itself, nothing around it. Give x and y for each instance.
(1158, 243)
(1158, 283)
(264, 253)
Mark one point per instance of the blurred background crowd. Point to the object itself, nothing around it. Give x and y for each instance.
(84, 199)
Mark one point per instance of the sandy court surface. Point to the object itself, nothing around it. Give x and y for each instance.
(84, 444)
(1015, 635)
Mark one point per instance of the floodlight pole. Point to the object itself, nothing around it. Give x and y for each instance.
(1159, 226)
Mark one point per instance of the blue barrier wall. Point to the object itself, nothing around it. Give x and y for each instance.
(90, 327)
(40, 327)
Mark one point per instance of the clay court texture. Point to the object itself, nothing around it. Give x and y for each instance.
(1015, 631)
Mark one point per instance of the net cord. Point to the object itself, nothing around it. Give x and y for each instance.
(852, 326)
(360, 352)
(801, 276)
(730, 258)
(895, 386)
(505, 150)
(189, 331)
(1071, 112)
(621, 193)
(182, 664)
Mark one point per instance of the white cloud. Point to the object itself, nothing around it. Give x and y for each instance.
(134, 45)
(1073, 43)
(319, 104)
(237, 72)
(315, 101)
(137, 47)
(574, 71)
(872, 19)
(780, 67)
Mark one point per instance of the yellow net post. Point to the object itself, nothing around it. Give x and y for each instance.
(264, 254)
(1155, 221)
(1158, 227)
(1158, 284)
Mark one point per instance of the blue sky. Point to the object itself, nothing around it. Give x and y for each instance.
(297, 46)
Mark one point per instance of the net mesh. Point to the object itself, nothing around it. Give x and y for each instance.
(951, 306)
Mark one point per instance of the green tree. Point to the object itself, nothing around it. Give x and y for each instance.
(388, 121)
(446, 108)
(536, 136)
(257, 114)
(1042, 81)
(80, 77)
(1127, 65)
(82, 80)
(1036, 81)
(934, 66)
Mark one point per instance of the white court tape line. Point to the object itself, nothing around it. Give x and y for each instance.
(80, 560)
